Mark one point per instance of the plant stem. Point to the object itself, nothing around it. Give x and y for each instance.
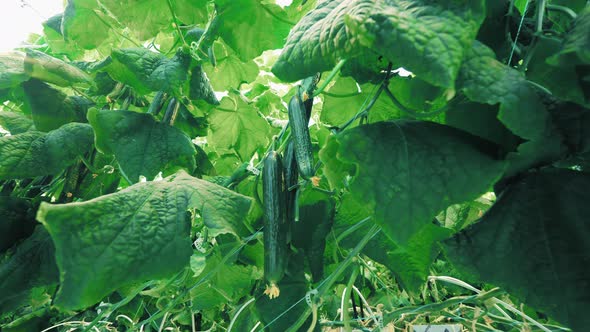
(417, 115)
(344, 300)
(175, 18)
(463, 284)
(343, 95)
(566, 10)
(330, 77)
(540, 15)
(365, 110)
(233, 321)
(329, 282)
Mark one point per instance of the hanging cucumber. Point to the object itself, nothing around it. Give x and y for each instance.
(299, 121)
(275, 244)
(291, 179)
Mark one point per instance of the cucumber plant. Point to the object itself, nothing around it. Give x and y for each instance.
(450, 146)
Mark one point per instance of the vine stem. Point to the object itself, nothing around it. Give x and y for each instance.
(463, 284)
(330, 77)
(418, 115)
(235, 318)
(365, 110)
(329, 282)
(566, 10)
(346, 293)
(180, 298)
(175, 18)
(540, 15)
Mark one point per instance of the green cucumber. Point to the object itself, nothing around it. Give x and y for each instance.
(291, 188)
(275, 242)
(299, 121)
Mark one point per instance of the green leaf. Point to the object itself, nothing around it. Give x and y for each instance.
(230, 71)
(148, 71)
(576, 45)
(522, 5)
(51, 108)
(430, 40)
(538, 227)
(141, 145)
(481, 120)
(17, 220)
(52, 32)
(410, 263)
(406, 172)
(137, 234)
(200, 87)
(15, 123)
(238, 126)
(563, 82)
(86, 25)
(34, 153)
(191, 125)
(251, 26)
(31, 265)
(346, 99)
(222, 282)
(52, 70)
(12, 69)
(146, 18)
(573, 122)
(485, 80)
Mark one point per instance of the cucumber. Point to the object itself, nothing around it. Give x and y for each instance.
(291, 180)
(300, 131)
(275, 244)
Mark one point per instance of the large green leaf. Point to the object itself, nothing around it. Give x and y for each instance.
(17, 220)
(146, 18)
(229, 71)
(12, 69)
(221, 281)
(406, 172)
(51, 108)
(562, 81)
(481, 120)
(31, 265)
(346, 98)
(148, 71)
(484, 79)
(251, 26)
(429, 39)
(576, 45)
(534, 242)
(236, 124)
(34, 153)
(137, 234)
(85, 24)
(52, 31)
(52, 70)
(141, 145)
(15, 123)
(410, 263)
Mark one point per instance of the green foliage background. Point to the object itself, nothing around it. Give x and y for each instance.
(133, 135)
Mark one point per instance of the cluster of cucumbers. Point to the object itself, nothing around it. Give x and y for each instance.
(280, 177)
